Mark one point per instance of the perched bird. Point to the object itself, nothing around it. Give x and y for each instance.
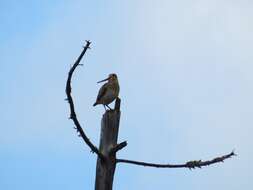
(108, 92)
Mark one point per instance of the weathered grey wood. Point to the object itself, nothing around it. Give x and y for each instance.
(108, 139)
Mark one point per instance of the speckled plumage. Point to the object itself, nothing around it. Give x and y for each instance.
(109, 91)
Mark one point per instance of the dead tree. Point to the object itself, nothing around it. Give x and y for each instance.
(106, 153)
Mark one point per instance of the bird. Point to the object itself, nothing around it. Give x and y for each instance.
(108, 92)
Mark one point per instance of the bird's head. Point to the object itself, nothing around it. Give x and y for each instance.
(111, 78)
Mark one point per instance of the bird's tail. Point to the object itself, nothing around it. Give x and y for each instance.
(95, 104)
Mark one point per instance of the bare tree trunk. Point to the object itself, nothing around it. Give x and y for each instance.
(108, 141)
(106, 162)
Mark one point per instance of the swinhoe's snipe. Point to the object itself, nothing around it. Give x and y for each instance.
(108, 92)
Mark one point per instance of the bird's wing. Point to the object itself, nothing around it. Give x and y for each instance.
(102, 91)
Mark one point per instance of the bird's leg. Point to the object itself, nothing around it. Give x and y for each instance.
(105, 108)
(108, 107)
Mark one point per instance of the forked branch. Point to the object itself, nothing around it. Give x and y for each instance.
(72, 107)
(191, 164)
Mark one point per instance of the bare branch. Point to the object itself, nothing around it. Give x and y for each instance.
(118, 147)
(191, 164)
(71, 103)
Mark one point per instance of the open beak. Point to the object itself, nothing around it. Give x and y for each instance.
(103, 80)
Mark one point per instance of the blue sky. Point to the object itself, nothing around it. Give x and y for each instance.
(185, 70)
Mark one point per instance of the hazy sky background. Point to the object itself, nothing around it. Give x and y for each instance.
(185, 70)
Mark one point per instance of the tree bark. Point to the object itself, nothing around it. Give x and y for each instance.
(108, 141)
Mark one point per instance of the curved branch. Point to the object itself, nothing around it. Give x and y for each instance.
(191, 164)
(71, 103)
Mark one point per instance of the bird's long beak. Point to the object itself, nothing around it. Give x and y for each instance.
(103, 80)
